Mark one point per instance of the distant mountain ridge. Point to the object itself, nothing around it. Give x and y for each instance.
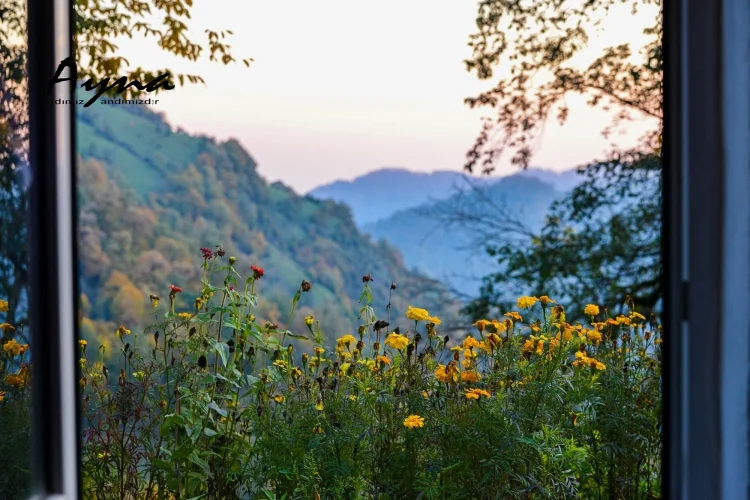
(380, 194)
(434, 241)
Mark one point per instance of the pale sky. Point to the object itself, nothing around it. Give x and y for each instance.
(343, 87)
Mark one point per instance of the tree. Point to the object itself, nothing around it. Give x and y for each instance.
(98, 23)
(602, 241)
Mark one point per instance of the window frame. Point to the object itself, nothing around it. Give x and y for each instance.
(706, 251)
(53, 293)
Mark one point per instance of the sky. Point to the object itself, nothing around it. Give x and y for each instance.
(339, 88)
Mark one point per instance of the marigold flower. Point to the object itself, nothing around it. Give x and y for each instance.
(470, 343)
(528, 346)
(623, 320)
(3, 306)
(122, 331)
(278, 398)
(14, 380)
(317, 430)
(309, 320)
(482, 324)
(257, 272)
(82, 344)
(526, 302)
(184, 316)
(280, 363)
(346, 340)
(635, 315)
(413, 421)
(2, 396)
(319, 350)
(470, 376)
(6, 326)
(417, 314)
(514, 316)
(591, 310)
(397, 341)
(540, 347)
(476, 393)
(319, 405)
(544, 300)
(383, 360)
(499, 326)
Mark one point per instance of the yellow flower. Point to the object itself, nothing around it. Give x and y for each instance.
(544, 300)
(344, 368)
(417, 314)
(319, 405)
(352, 397)
(2, 393)
(468, 354)
(470, 343)
(397, 341)
(14, 380)
(413, 421)
(346, 340)
(82, 344)
(540, 347)
(317, 430)
(482, 324)
(425, 394)
(319, 350)
(6, 326)
(383, 360)
(594, 336)
(3, 306)
(470, 376)
(591, 310)
(435, 320)
(476, 393)
(514, 316)
(280, 363)
(500, 326)
(184, 316)
(526, 302)
(309, 320)
(122, 331)
(278, 398)
(528, 346)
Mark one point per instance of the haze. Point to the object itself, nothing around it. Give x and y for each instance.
(343, 87)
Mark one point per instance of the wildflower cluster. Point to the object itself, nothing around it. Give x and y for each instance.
(213, 402)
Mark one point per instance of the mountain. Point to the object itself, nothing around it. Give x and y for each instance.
(447, 238)
(381, 193)
(150, 197)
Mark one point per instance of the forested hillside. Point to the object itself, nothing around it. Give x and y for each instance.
(151, 197)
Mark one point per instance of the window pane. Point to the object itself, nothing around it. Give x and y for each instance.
(15, 387)
(271, 309)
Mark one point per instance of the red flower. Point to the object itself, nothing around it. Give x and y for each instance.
(257, 272)
(208, 254)
(367, 278)
(175, 289)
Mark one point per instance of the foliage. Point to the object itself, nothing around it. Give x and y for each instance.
(132, 240)
(212, 403)
(15, 410)
(603, 240)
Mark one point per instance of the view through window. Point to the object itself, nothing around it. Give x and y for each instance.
(333, 250)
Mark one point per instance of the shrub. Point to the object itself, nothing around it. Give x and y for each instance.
(214, 403)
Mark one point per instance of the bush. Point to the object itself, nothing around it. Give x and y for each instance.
(213, 403)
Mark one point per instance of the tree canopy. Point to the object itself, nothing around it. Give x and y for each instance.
(603, 239)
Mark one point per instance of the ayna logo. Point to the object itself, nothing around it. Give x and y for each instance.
(103, 86)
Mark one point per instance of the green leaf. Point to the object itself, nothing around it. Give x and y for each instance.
(217, 409)
(209, 432)
(294, 335)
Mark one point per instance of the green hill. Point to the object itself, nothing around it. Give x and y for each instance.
(150, 197)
